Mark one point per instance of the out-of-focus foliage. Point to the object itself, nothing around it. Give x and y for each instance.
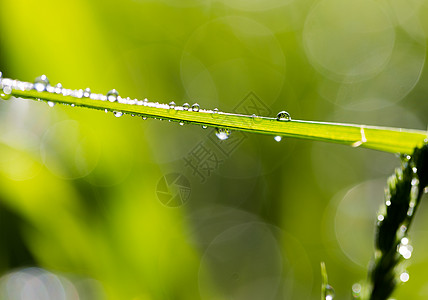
(79, 188)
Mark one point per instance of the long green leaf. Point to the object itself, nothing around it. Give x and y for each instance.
(395, 140)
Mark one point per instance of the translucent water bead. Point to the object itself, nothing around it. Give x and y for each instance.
(41, 83)
(112, 95)
(222, 133)
(195, 107)
(283, 116)
(329, 292)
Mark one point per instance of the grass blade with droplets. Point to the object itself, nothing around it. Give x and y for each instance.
(395, 140)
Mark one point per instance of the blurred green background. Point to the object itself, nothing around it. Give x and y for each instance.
(80, 189)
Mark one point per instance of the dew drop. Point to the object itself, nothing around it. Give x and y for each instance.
(329, 292)
(58, 88)
(356, 290)
(78, 93)
(41, 83)
(5, 94)
(106, 110)
(405, 250)
(222, 133)
(404, 277)
(195, 107)
(388, 202)
(7, 89)
(214, 114)
(112, 95)
(117, 114)
(256, 119)
(72, 105)
(144, 118)
(87, 93)
(181, 123)
(380, 218)
(283, 116)
(204, 126)
(278, 138)
(51, 104)
(186, 106)
(172, 105)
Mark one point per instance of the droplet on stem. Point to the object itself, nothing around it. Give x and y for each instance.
(356, 290)
(283, 116)
(87, 93)
(256, 119)
(329, 292)
(195, 107)
(112, 95)
(186, 106)
(41, 83)
(58, 88)
(222, 133)
(404, 277)
(214, 114)
(6, 92)
(117, 114)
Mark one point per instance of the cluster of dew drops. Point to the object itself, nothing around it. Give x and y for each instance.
(42, 84)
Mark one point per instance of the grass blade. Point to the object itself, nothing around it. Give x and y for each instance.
(394, 140)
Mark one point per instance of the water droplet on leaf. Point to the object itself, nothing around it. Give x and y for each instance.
(118, 114)
(214, 114)
(329, 292)
(256, 119)
(181, 123)
(278, 138)
(195, 107)
(186, 106)
(356, 290)
(87, 93)
(172, 105)
(58, 88)
(404, 277)
(112, 95)
(283, 116)
(222, 133)
(5, 94)
(51, 104)
(41, 83)
(204, 126)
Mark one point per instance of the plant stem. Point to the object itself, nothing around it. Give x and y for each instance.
(394, 140)
(405, 190)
